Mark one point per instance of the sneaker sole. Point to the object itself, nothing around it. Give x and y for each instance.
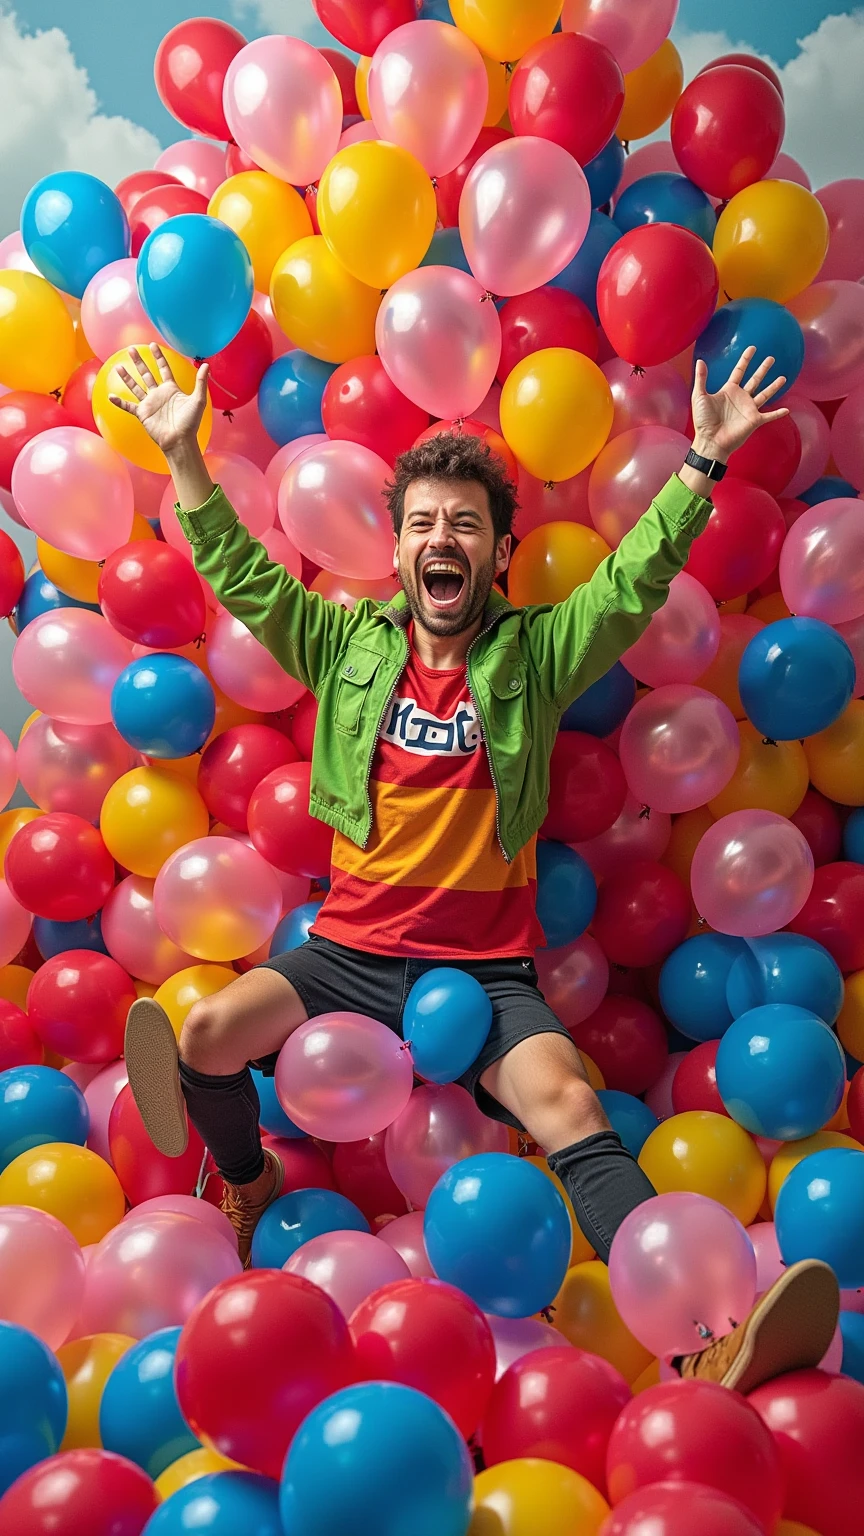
(774, 1341)
(152, 1062)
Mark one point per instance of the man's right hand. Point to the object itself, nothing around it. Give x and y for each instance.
(167, 414)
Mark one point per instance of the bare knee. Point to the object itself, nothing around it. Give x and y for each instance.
(205, 1039)
(564, 1108)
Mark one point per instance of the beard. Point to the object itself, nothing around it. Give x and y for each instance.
(472, 600)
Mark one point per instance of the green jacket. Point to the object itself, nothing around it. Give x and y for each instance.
(524, 668)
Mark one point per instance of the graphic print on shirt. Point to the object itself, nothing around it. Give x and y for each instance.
(417, 730)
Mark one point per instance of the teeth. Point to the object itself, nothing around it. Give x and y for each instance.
(441, 568)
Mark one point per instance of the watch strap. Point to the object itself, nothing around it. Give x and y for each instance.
(712, 468)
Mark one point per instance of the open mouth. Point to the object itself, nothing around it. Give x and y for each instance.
(444, 581)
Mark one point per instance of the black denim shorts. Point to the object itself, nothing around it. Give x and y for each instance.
(330, 978)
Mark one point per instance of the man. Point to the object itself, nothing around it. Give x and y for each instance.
(437, 717)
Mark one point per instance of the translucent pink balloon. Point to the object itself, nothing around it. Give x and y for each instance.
(7, 502)
(438, 1126)
(649, 397)
(343, 1077)
(66, 663)
(284, 107)
(681, 1266)
(751, 874)
(405, 1234)
(523, 214)
(349, 1266)
(358, 133)
(151, 1274)
(489, 410)
(633, 836)
(241, 431)
(574, 979)
(41, 1273)
(66, 767)
(8, 770)
(646, 161)
(112, 315)
(74, 491)
(280, 549)
(217, 899)
(184, 1205)
(630, 32)
(628, 473)
(831, 315)
(15, 925)
(843, 202)
(544, 502)
(518, 1336)
(286, 455)
(245, 671)
(295, 888)
(659, 1095)
(133, 936)
(428, 91)
(847, 438)
(832, 1359)
(13, 256)
(281, 343)
(769, 1260)
(679, 747)
(815, 442)
(822, 562)
(100, 1093)
(147, 489)
(246, 488)
(682, 637)
(440, 340)
(198, 163)
(785, 168)
(331, 505)
(82, 1072)
(853, 633)
(339, 589)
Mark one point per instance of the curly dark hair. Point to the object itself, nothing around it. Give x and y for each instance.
(455, 456)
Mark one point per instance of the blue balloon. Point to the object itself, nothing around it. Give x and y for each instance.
(293, 929)
(139, 1415)
(604, 172)
(785, 968)
(220, 1504)
(580, 274)
(852, 1333)
(853, 837)
(292, 1219)
(447, 1020)
(435, 10)
(272, 1117)
(627, 1115)
(377, 1459)
(603, 706)
(39, 1104)
(52, 938)
(795, 678)
(780, 1071)
(290, 395)
(566, 893)
(497, 1228)
(666, 198)
(693, 985)
(163, 705)
(195, 283)
(39, 595)
(446, 250)
(759, 323)
(33, 1402)
(72, 224)
(829, 488)
(820, 1213)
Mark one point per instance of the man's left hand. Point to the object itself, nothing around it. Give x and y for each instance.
(723, 422)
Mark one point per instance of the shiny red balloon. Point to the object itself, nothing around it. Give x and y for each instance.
(305, 1165)
(587, 788)
(694, 1085)
(20, 1045)
(747, 61)
(237, 160)
(143, 1172)
(133, 187)
(310, 198)
(303, 718)
(817, 1421)
(469, 426)
(238, 369)
(345, 71)
(281, 827)
(11, 574)
(78, 1002)
(545, 317)
(430, 1336)
(774, 461)
(448, 188)
(855, 1105)
(154, 207)
(570, 89)
(741, 544)
(627, 1041)
(727, 128)
(656, 291)
(233, 766)
(362, 24)
(58, 867)
(681, 1509)
(77, 396)
(361, 1174)
(23, 415)
(79, 1493)
(256, 1355)
(361, 404)
(190, 67)
(151, 594)
(833, 913)
(819, 820)
(643, 913)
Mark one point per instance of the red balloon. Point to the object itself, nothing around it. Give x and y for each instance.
(58, 867)
(469, 426)
(190, 67)
(143, 1172)
(23, 415)
(855, 1105)
(833, 913)
(747, 61)
(345, 71)
(238, 369)
(774, 462)
(564, 501)
(449, 188)
(656, 291)
(741, 544)
(362, 405)
(237, 160)
(151, 594)
(627, 1041)
(430, 1336)
(11, 574)
(817, 1421)
(233, 766)
(362, 24)
(587, 788)
(545, 317)
(696, 1431)
(133, 187)
(304, 1163)
(303, 718)
(643, 913)
(680, 1509)
(79, 1493)
(20, 1046)
(77, 395)
(361, 1174)
(281, 827)
(820, 822)
(256, 1355)
(570, 89)
(163, 202)
(727, 128)
(559, 1404)
(694, 1085)
(78, 1002)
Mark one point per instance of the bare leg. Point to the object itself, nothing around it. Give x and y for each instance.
(542, 1082)
(250, 1018)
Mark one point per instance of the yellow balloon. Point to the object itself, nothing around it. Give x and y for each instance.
(34, 715)
(229, 713)
(179, 994)
(187, 1469)
(140, 529)
(15, 983)
(147, 815)
(12, 821)
(836, 757)
(530, 1497)
(68, 1182)
(499, 77)
(77, 578)
(187, 767)
(650, 1378)
(320, 305)
(86, 1365)
(769, 609)
(770, 242)
(586, 1315)
(791, 1153)
(710, 1155)
(266, 213)
(377, 211)
(721, 678)
(688, 831)
(556, 412)
(850, 1024)
(650, 93)
(124, 432)
(552, 561)
(37, 336)
(505, 29)
(592, 1072)
(361, 85)
(794, 1528)
(580, 1248)
(770, 776)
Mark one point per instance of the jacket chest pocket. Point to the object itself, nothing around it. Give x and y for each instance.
(355, 677)
(507, 687)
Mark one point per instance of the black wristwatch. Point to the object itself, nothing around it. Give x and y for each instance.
(710, 467)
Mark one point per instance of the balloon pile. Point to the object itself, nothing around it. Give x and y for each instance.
(450, 235)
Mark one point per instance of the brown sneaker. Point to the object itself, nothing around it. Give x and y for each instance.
(789, 1329)
(151, 1055)
(244, 1214)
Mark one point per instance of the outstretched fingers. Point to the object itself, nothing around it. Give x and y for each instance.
(769, 391)
(131, 383)
(742, 365)
(142, 367)
(125, 405)
(759, 373)
(162, 364)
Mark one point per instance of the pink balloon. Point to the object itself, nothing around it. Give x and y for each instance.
(245, 671)
(112, 315)
(646, 161)
(151, 1274)
(198, 163)
(539, 502)
(628, 473)
(41, 1273)
(630, 32)
(518, 1336)
(343, 1077)
(769, 1260)
(682, 637)
(680, 1269)
(785, 168)
(280, 549)
(100, 1093)
(439, 339)
(358, 133)
(751, 874)
(574, 979)
(832, 1359)
(246, 488)
(822, 562)
(489, 410)
(659, 1095)
(853, 633)
(15, 925)
(82, 1072)
(349, 1266)
(133, 937)
(13, 256)
(649, 397)
(439, 1125)
(843, 202)
(66, 663)
(281, 343)
(428, 91)
(331, 505)
(74, 491)
(831, 315)
(286, 455)
(66, 767)
(295, 888)
(8, 770)
(405, 1234)
(284, 107)
(633, 836)
(217, 894)
(679, 747)
(184, 1205)
(8, 504)
(147, 489)
(815, 442)
(523, 214)
(847, 439)
(241, 431)
(340, 589)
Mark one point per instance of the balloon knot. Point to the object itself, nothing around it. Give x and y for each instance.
(546, 1313)
(625, 145)
(768, 741)
(487, 296)
(55, 393)
(645, 813)
(101, 564)
(434, 181)
(621, 969)
(229, 415)
(638, 371)
(548, 485)
(312, 187)
(732, 1323)
(703, 1331)
(198, 361)
(703, 922)
(509, 65)
(405, 1046)
(200, 639)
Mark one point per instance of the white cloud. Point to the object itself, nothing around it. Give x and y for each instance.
(49, 119)
(296, 17)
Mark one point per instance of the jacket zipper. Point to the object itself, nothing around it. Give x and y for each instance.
(388, 702)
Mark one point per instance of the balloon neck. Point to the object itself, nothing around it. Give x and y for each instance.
(204, 1175)
(229, 416)
(768, 741)
(548, 485)
(200, 640)
(198, 361)
(703, 922)
(434, 181)
(312, 189)
(638, 371)
(625, 145)
(645, 813)
(405, 1046)
(488, 297)
(547, 1314)
(55, 393)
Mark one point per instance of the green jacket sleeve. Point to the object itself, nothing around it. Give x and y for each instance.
(574, 642)
(301, 629)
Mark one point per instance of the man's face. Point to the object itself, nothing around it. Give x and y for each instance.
(447, 555)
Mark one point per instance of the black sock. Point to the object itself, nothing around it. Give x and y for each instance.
(604, 1182)
(224, 1111)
